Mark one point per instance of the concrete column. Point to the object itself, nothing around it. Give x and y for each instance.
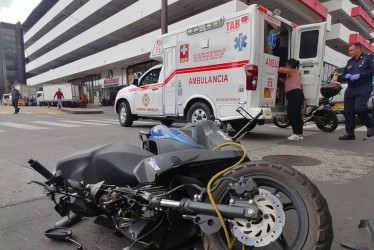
(164, 16)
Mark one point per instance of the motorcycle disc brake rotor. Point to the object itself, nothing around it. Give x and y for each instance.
(268, 229)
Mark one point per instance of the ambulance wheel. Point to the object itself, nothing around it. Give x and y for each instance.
(198, 111)
(238, 125)
(125, 115)
(167, 122)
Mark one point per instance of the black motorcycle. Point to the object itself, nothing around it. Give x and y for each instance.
(188, 183)
(322, 115)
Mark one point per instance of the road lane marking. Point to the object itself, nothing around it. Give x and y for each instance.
(21, 126)
(2, 131)
(105, 122)
(57, 124)
(86, 123)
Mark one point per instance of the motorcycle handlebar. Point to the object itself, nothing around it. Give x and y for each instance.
(74, 184)
(40, 169)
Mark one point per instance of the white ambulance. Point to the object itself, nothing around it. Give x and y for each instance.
(217, 66)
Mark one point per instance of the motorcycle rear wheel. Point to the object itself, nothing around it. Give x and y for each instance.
(308, 223)
(329, 118)
(282, 121)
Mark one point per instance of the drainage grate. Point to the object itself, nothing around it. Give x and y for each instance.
(293, 160)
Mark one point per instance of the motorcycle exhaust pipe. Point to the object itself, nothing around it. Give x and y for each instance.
(228, 211)
(40, 169)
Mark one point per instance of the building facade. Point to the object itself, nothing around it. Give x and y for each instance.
(12, 61)
(103, 44)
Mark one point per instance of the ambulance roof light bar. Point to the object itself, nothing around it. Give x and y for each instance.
(275, 14)
(207, 26)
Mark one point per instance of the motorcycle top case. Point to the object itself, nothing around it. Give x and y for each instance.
(330, 89)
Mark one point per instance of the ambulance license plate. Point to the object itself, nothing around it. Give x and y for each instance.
(338, 106)
(267, 93)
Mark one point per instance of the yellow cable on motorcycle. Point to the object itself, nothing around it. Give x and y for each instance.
(230, 243)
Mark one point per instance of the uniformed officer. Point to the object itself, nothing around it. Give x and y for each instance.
(359, 73)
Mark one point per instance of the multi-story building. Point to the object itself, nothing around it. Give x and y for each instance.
(102, 44)
(12, 62)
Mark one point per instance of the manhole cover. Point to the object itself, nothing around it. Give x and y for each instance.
(292, 160)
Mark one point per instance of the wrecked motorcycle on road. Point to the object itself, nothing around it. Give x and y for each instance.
(187, 183)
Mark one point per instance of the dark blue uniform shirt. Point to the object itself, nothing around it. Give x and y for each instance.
(363, 66)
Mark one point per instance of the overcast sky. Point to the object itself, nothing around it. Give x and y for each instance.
(13, 11)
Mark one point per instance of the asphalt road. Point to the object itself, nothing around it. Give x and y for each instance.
(342, 170)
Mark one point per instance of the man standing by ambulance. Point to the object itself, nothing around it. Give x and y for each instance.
(359, 73)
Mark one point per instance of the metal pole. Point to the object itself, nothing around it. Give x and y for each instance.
(164, 16)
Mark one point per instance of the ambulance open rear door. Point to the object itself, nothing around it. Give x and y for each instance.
(308, 43)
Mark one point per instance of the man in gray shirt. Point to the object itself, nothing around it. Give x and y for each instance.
(15, 96)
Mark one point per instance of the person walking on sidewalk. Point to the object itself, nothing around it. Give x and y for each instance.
(359, 73)
(59, 95)
(16, 95)
(83, 101)
(295, 97)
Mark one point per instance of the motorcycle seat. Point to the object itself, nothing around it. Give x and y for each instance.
(113, 163)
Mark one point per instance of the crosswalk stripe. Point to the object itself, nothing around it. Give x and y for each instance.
(86, 123)
(340, 126)
(2, 131)
(309, 126)
(111, 120)
(57, 124)
(145, 122)
(105, 122)
(21, 126)
(363, 128)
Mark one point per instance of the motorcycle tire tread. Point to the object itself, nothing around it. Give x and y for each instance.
(331, 115)
(312, 197)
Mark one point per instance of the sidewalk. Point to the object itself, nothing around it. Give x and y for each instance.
(54, 110)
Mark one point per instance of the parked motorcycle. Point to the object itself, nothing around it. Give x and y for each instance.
(322, 115)
(185, 183)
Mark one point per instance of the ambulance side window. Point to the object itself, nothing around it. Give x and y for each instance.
(150, 77)
(309, 44)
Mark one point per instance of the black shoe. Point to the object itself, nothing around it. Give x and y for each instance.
(17, 110)
(347, 136)
(370, 132)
